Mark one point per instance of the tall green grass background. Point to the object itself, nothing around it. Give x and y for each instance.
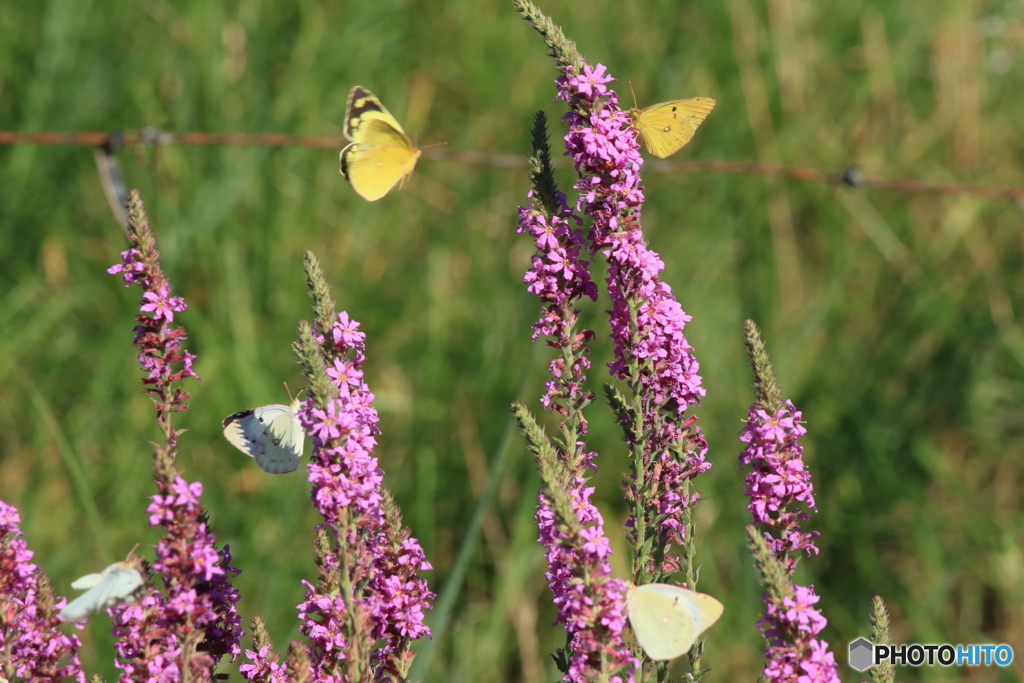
(892, 318)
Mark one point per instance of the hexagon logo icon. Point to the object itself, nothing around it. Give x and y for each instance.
(861, 654)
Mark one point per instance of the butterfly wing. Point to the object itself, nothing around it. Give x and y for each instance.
(663, 631)
(280, 447)
(245, 428)
(704, 609)
(665, 128)
(667, 619)
(381, 154)
(381, 159)
(362, 108)
(86, 582)
(120, 582)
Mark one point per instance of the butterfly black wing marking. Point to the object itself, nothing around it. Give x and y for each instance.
(245, 428)
(349, 149)
(668, 126)
(236, 417)
(360, 101)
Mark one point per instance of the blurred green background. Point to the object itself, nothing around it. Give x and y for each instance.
(891, 317)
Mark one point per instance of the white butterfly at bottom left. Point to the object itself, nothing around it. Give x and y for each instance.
(120, 582)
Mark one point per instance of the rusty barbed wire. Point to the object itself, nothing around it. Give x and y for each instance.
(851, 176)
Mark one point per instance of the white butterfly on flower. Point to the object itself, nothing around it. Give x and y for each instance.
(667, 619)
(120, 582)
(272, 435)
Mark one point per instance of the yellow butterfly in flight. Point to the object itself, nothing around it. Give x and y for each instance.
(380, 155)
(666, 127)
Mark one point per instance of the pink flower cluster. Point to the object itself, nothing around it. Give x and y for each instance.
(348, 491)
(651, 351)
(146, 651)
(265, 666)
(559, 277)
(778, 479)
(794, 654)
(591, 604)
(32, 646)
(557, 274)
(195, 624)
(159, 344)
(185, 631)
(607, 157)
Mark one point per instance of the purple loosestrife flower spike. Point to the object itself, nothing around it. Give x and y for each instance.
(32, 646)
(651, 353)
(369, 603)
(790, 624)
(590, 602)
(161, 355)
(184, 631)
(779, 479)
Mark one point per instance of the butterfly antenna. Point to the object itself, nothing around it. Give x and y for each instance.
(132, 558)
(298, 394)
(635, 106)
(433, 144)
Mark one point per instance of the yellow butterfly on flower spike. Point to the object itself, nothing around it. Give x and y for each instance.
(667, 619)
(665, 128)
(380, 155)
